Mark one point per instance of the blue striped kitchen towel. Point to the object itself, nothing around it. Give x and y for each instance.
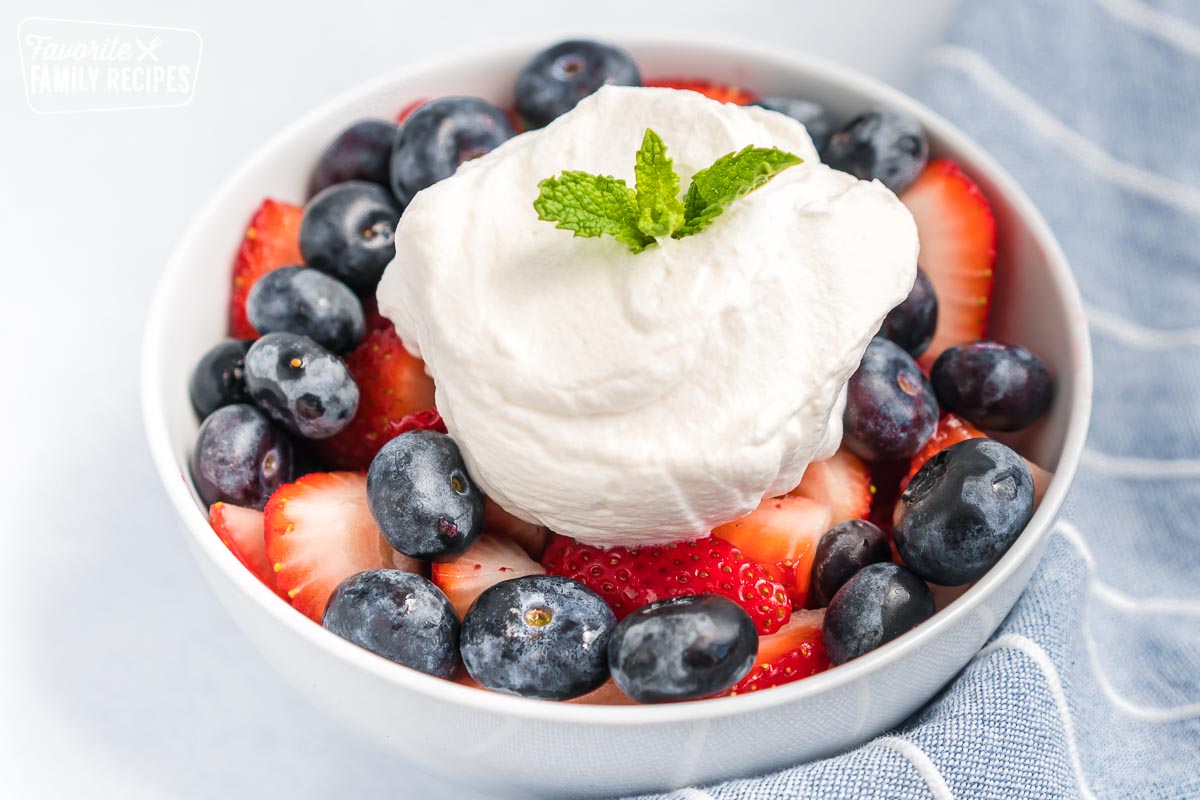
(1091, 688)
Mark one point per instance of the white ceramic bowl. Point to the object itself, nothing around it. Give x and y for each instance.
(501, 743)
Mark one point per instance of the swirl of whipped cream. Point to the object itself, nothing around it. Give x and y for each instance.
(627, 399)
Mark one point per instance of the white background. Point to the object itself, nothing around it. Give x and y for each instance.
(120, 676)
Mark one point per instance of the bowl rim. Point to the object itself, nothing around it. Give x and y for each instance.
(156, 342)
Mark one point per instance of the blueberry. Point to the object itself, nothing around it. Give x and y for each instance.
(362, 152)
(891, 410)
(683, 648)
(881, 602)
(309, 303)
(349, 232)
(240, 457)
(220, 378)
(538, 636)
(301, 385)
(845, 549)
(398, 615)
(439, 136)
(886, 145)
(556, 79)
(816, 120)
(1001, 387)
(962, 510)
(422, 497)
(912, 323)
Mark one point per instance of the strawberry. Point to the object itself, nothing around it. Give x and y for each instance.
(952, 429)
(794, 652)
(407, 111)
(721, 92)
(532, 538)
(373, 319)
(490, 560)
(782, 535)
(629, 578)
(319, 531)
(272, 240)
(843, 483)
(607, 695)
(885, 477)
(958, 252)
(392, 384)
(241, 529)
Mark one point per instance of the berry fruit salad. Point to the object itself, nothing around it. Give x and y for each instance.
(628, 390)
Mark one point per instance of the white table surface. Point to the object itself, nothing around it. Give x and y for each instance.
(120, 676)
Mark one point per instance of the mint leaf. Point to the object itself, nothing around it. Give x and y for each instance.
(592, 205)
(730, 177)
(660, 211)
(596, 205)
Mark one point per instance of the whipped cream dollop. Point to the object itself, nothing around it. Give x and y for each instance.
(624, 398)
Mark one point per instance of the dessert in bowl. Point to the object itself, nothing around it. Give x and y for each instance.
(571, 371)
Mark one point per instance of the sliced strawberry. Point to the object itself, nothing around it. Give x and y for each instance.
(628, 579)
(886, 477)
(796, 651)
(407, 111)
(392, 384)
(532, 538)
(319, 531)
(953, 429)
(721, 92)
(958, 252)
(782, 535)
(241, 529)
(490, 560)
(272, 240)
(607, 695)
(843, 483)
(950, 430)
(374, 320)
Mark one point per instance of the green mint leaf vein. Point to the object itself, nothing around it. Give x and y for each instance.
(597, 205)
(660, 211)
(592, 205)
(730, 177)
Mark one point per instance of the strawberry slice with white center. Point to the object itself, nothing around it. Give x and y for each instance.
(781, 535)
(958, 252)
(843, 483)
(489, 561)
(319, 531)
(241, 529)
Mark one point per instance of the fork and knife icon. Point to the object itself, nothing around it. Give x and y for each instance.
(147, 50)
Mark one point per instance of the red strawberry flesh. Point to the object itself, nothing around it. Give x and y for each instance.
(782, 535)
(319, 531)
(628, 578)
(489, 561)
(958, 252)
(721, 92)
(241, 529)
(392, 387)
(953, 429)
(272, 240)
(796, 651)
(843, 483)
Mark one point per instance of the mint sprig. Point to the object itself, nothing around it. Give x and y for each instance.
(660, 211)
(595, 205)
